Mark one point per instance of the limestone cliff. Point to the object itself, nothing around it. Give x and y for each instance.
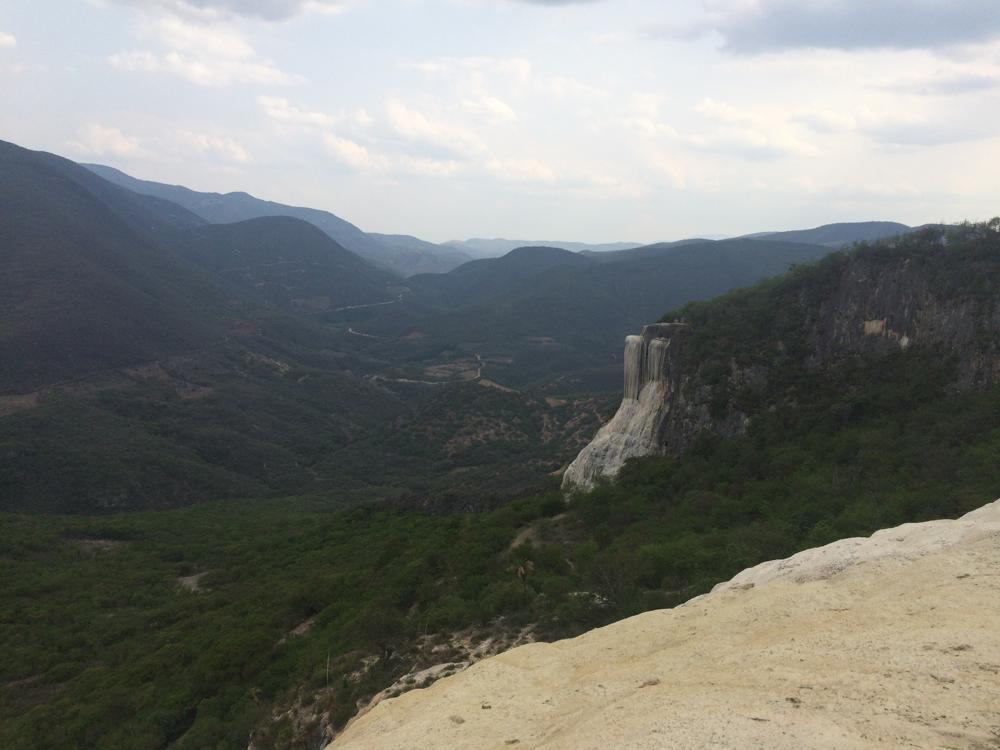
(652, 369)
(887, 641)
(726, 360)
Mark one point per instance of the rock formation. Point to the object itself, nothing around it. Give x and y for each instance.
(872, 303)
(651, 371)
(889, 641)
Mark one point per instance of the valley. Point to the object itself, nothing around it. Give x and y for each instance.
(523, 374)
(253, 483)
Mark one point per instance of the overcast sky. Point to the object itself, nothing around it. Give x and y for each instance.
(607, 120)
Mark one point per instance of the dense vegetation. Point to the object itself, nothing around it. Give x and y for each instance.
(149, 360)
(101, 647)
(559, 318)
(199, 627)
(181, 432)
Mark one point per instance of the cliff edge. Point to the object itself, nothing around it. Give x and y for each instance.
(932, 298)
(887, 641)
(652, 369)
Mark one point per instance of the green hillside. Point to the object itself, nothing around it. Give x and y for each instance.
(289, 263)
(841, 234)
(82, 288)
(555, 320)
(150, 360)
(201, 627)
(401, 254)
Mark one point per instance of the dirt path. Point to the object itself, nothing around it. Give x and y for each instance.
(373, 304)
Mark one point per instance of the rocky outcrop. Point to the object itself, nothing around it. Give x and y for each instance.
(888, 641)
(882, 307)
(652, 370)
(872, 303)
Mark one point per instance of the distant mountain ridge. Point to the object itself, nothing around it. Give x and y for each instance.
(401, 254)
(95, 275)
(407, 256)
(840, 234)
(547, 315)
(480, 247)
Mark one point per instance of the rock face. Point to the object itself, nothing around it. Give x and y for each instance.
(889, 641)
(882, 307)
(652, 369)
(872, 304)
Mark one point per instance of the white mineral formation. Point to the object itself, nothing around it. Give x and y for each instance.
(884, 642)
(635, 428)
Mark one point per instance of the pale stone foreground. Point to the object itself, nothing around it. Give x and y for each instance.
(891, 641)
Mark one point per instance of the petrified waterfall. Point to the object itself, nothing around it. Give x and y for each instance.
(650, 371)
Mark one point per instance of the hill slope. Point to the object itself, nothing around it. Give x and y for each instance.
(867, 643)
(83, 286)
(290, 263)
(401, 254)
(548, 316)
(148, 359)
(238, 607)
(719, 364)
(143, 357)
(840, 235)
(491, 248)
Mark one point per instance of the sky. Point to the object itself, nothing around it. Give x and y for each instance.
(594, 120)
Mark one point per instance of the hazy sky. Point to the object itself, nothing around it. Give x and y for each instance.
(603, 120)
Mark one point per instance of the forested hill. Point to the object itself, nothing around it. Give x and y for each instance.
(277, 620)
(97, 277)
(560, 317)
(401, 254)
(841, 234)
(932, 294)
(86, 279)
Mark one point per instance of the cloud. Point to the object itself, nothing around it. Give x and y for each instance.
(521, 170)
(429, 167)
(899, 127)
(7, 40)
(824, 120)
(448, 140)
(354, 155)
(610, 185)
(204, 41)
(953, 83)
(215, 10)
(563, 87)
(202, 55)
(221, 147)
(283, 111)
(756, 26)
(934, 131)
(745, 134)
(514, 69)
(166, 144)
(489, 106)
(557, 2)
(202, 71)
(100, 140)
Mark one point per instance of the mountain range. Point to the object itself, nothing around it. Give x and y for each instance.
(221, 351)
(341, 484)
(554, 320)
(491, 248)
(406, 255)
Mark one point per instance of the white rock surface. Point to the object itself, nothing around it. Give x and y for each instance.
(635, 428)
(889, 641)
